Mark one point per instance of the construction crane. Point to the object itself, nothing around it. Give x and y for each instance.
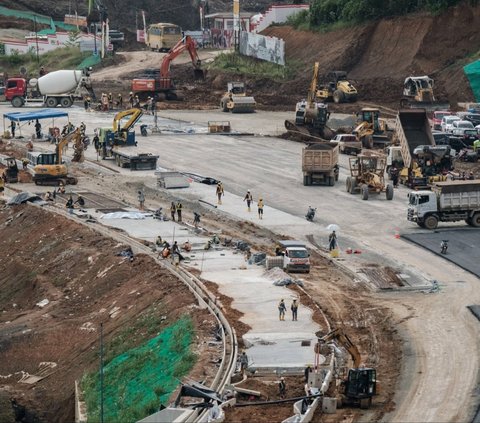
(360, 385)
(311, 117)
(160, 84)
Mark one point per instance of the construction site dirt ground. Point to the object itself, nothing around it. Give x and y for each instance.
(329, 288)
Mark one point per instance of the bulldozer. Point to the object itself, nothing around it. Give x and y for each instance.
(10, 173)
(49, 168)
(371, 130)
(311, 117)
(360, 384)
(235, 100)
(418, 93)
(337, 88)
(367, 175)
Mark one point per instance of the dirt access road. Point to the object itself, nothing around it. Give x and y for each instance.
(134, 61)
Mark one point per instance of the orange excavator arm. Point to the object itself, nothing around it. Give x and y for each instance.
(186, 43)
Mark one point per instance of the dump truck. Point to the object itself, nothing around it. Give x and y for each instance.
(423, 161)
(60, 87)
(320, 164)
(448, 201)
(235, 100)
(418, 93)
(119, 143)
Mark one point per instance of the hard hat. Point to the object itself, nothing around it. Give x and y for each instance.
(248, 190)
(131, 92)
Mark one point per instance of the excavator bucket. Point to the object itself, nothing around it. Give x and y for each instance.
(199, 74)
(243, 104)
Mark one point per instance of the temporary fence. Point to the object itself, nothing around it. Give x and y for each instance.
(472, 71)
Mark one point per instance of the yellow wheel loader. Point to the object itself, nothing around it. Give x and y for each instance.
(235, 100)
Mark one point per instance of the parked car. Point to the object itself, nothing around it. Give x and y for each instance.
(474, 118)
(437, 118)
(347, 143)
(441, 138)
(447, 121)
(460, 126)
(469, 136)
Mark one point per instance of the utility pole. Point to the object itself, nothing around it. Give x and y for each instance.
(36, 35)
(101, 372)
(236, 23)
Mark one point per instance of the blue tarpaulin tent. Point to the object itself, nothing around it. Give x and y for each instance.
(32, 116)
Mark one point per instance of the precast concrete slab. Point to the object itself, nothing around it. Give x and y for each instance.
(463, 246)
(270, 342)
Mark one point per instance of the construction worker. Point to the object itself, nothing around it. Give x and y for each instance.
(86, 103)
(173, 209)
(2, 185)
(141, 199)
(243, 362)
(42, 71)
(282, 387)
(110, 100)
(13, 126)
(220, 192)
(179, 211)
(120, 101)
(248, 198)
(196, 219)
(148, 105)
(61, 188)
(69, 205)
(25, 163)
(131, 99)
(394, 174)
(332, 241)
(476, 145)
(282, 308)
(48, 196)
(294, 308)
(137, 102)
(38, 129)
(260, 208)
(159, 241)
(80, 201)
(176, 250)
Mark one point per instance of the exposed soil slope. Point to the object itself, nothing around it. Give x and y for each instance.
(45, 256)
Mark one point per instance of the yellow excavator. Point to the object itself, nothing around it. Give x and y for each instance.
(360, 384)
(49, 168)
(311, 117)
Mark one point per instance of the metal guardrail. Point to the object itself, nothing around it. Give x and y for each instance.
(203, 295)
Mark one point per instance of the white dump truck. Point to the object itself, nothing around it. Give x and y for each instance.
(447, 202)
(60, 87)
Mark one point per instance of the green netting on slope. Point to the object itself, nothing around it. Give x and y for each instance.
(139, 380)
(90, 61)
(472, 71)
(46, 20)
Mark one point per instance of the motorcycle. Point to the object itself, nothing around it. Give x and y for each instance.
(444, 246)
(310, 213)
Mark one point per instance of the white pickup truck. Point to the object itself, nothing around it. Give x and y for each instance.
(296, 257)
(348, 143)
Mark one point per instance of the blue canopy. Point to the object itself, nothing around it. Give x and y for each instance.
(39, 114)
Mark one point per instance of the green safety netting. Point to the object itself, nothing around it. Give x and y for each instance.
(92, 60)
(472, 71)
(139, 380)
(46, 20)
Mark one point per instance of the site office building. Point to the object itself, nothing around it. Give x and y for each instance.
(224, 21)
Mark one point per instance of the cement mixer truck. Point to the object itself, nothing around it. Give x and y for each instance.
(60, 87)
